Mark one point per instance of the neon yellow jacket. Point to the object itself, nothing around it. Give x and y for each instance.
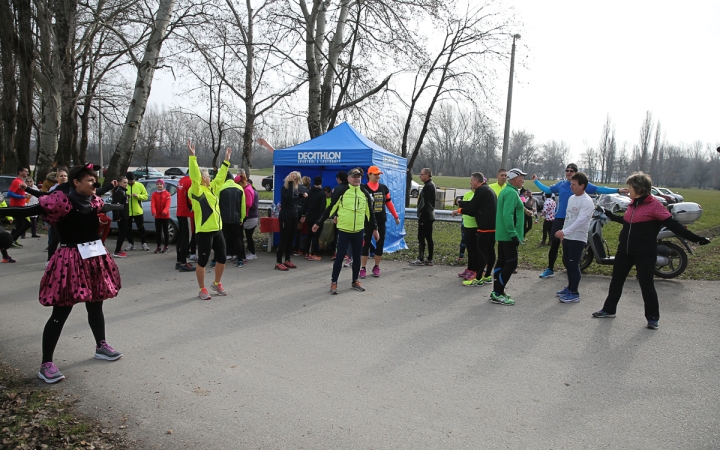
(205, 201)
(135, 204)
(3, 204)
(352, 206)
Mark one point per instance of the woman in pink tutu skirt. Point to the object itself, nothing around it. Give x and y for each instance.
(81, 270)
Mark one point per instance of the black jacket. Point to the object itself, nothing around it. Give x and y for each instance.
(119, 197)
(231, 200)
(426, 202)
(315, 204)
(288, 200)
(482, 206)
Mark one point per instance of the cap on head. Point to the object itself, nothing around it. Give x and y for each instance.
(355, 172)
(374, 170)
(512, 173)
(572, 166)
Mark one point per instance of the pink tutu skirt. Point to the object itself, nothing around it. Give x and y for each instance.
(69, 279)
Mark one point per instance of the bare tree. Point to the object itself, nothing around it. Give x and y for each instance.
(603, 151)
(656, 154)
(645, 136)
(553, 157)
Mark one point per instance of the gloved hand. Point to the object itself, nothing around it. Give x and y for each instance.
(704, 241)
(607, 211)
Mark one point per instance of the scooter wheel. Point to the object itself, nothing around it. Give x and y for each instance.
(677, 263)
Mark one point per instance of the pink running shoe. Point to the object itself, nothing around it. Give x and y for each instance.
(363, 272)
(106, 352)
(376, 271)
(470, 275)
(464, 273)
(49, 373)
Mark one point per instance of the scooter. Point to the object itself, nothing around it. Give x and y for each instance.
(671, 258)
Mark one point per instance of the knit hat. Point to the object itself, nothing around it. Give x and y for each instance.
(160, 181)
(130, 176)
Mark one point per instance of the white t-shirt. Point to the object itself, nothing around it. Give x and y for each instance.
(577, 217)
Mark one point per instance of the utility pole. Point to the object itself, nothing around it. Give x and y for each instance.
(506, 136)
(102, 164)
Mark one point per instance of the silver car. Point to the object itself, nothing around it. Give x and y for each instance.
(148, 219)
(614, 202)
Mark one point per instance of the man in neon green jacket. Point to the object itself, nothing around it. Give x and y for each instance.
(204, 196)
(352, 206)
(509, 233)
(136, 194)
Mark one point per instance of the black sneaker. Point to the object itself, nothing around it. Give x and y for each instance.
(653, 324)
(602, 315)
(187, 267)
(429, 262)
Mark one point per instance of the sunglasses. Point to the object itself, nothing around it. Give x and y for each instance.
(569, 170)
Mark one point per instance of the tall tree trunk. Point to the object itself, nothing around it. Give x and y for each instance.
(145, 71)
(26, 80)
(249, 93)
(65, 23)
(8, 111)
(49, 125)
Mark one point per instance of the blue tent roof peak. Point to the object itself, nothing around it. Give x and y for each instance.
(342, 137)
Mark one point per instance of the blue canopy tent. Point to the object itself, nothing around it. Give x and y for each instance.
(344, 148)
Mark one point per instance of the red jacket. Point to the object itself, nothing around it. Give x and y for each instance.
(183, 202)
(15, 188)
(160, 204)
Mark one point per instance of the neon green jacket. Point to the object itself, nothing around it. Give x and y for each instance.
(4, 205)
(205, 201)
(352, 206)
(469, 221)
(510, 216)
(135, 204)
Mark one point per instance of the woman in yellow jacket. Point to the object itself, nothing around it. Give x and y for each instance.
(204, 196)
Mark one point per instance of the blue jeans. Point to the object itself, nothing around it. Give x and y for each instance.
(354, 240)
(572, 250)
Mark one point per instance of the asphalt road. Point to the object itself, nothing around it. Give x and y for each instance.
(417, 361)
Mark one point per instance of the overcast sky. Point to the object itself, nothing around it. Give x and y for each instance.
(580, 61)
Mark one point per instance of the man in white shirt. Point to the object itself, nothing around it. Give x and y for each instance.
(574, 235)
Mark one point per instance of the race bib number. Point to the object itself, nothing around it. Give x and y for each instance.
(92, 249)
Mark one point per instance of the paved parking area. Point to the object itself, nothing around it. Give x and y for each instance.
(417, 361)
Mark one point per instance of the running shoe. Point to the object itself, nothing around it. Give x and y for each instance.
(470, 275)
(376, 271)
(35, 235)
(16, 244)
(464, 273)
(8, 260)
(213, 263)
(564, 291)
(297, 253)
(187, 267)
(157, 250)
(487, 280)
(460, 257)
(547, 273)
(653, 325)
(193, 258)
(333, 288)
(290, 265)
(570, 297)
(145, 248)
(313, 258)
(130, 247)
(240, 264)
(281, 267)
(334, 255)
(357, 286)
(417, 262)
(204, 294)
(165, 250)
(429, 262)
(120, 255)
(363, 273)
(473, 282)
(218, 288)
(250, 256)
(106, 352)
(49, 373)
(602, 315)
(501, 299)
(347, 262)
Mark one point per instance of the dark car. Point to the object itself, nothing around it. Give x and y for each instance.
(148, 219)
(150, 172)
(177, 171)
(267, 183)
(670, 199)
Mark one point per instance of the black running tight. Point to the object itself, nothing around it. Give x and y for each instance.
(54, 326)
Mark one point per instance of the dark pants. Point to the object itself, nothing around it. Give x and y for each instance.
(425, 231)
(507, 262)
(233, 239)
(122, 232)
(486, 253)
(207, 241)
(161, 231)
(572, 251)
(462, 242)
(313, 238)
(21, 226)
(621, 268)
(554, 242)
(249, 238)
(547, 229)
(354, 241)
(528, 224)
(379, 244)
(54, 326)
(288, 227)
(140, 224)
(470, 238)
(183, 241)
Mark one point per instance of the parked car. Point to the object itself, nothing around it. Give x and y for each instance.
(267, 182)
(614, 202)
(679, 198)
(149, 172)
(148, 219)
(177, 171)
(414, 189)
(5, 182)
(669, 199)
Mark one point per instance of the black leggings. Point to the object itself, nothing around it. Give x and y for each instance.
(557, 225)
(645, 272)
(140, 223)
(122, 232)
(547, 228)
(249, 238)
(313, 238)
(425, 230)
(486, 253)
(161, 229)
(470, 238)
(507, 262)
(379, 244)
(183, 240)
(528, 223)
(212, 240)
(54, 326)
(572, 251)
(288, 227)
(232, 232)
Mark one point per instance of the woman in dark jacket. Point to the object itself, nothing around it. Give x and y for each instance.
(638, 247)
(119, 197)
(288, 220)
